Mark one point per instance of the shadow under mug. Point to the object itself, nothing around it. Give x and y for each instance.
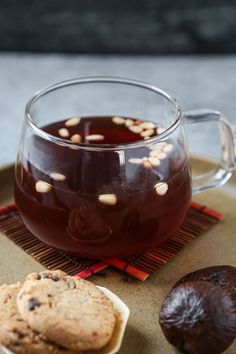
(147, 205)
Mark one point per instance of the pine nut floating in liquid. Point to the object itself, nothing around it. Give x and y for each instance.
(148, 125)
(154, 161)
(161, 188)
(107, 199)
(135, 129)
(154, 153)
(95, 137)
(76, 138)
(43, 187)
(162, 155)
(147, 133)
(146, 163)
(168, 148)
(118, 120)
(159, 145)
(135, 161)
(129, 122)
(57, 176)
(72, 122)
(160, 130)
(63, 132)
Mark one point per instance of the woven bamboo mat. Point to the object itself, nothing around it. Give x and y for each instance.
(198, 220)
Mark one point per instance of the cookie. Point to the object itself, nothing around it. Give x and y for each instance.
(8, 307)
(47, 274)
(15, 334)
(68, 310)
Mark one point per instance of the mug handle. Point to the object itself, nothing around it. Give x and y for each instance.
(222, 174)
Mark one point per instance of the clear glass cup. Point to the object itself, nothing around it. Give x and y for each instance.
(144, 203)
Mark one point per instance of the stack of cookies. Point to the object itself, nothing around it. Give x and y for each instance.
(54, 313)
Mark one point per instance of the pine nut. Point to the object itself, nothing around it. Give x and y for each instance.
(154, 153)
(74, 147)
(135, 129)
(118, 120)
(63, 132)
(43, 187)
(95, 137)
(107, 199)
(147, 125)
(159, 145)
(72, 122)
(154, 161)
(76, 138)
(147, 164)
(147, 132)
(57, 176)
(129, 122)
(161, 188)
(136, 161)
(168, 148)
(160, 130)
(162, 155)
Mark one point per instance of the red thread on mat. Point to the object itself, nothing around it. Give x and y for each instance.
(7, 209)
(215, 214)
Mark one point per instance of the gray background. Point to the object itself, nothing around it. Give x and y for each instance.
(46, 41)
(196, 82)
(118, 26)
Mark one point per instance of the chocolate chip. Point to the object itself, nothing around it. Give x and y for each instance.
(16, 344)
(71, 285)
(19, 335)
(38, 277)
(32, 304)
(62, 348)
(53, 277)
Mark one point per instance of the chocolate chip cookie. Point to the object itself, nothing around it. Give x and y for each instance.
(15, 334)
(68, 310)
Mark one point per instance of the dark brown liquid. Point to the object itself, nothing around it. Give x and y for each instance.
(73, 216)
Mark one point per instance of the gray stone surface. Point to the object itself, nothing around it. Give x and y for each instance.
(196, 82)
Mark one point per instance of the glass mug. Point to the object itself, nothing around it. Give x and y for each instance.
(98, 200)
